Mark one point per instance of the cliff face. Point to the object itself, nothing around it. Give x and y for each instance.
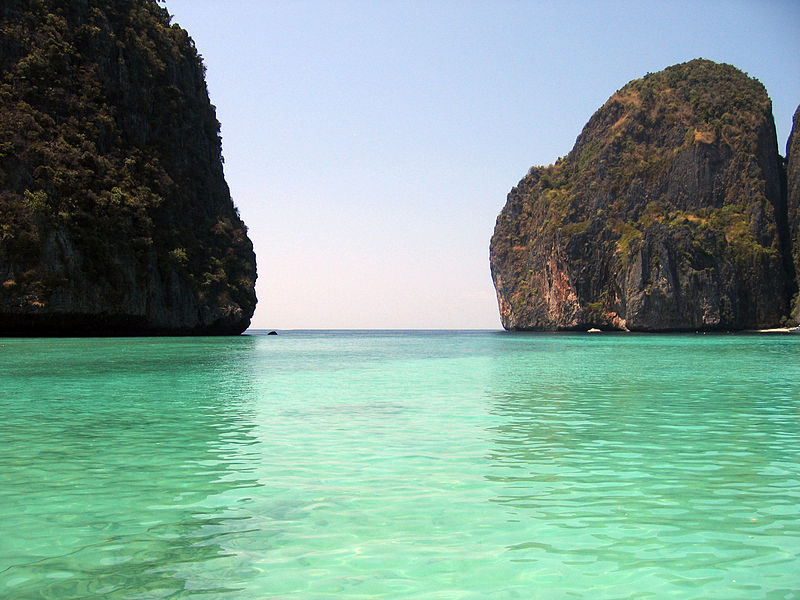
(668, 214)
(116, 215)
(793, 200)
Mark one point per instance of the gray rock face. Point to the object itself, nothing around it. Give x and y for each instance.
(793, 201)
(668, 214)
(117, 217)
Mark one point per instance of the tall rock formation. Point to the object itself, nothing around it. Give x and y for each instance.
(668, 214)
(793, 201)
(116, 215)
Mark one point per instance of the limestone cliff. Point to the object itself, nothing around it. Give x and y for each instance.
(793, 200)
(116, 215)
(668, 214)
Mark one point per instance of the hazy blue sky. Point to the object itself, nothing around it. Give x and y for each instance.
(370, 144)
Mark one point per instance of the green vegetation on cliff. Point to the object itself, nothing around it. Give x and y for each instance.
(115, 213)
(667, 214)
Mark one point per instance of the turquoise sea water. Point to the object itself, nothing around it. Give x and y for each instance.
(400, 465)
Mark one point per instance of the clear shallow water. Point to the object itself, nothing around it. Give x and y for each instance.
(400, 465)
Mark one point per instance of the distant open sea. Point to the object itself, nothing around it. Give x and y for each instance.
(400, 464)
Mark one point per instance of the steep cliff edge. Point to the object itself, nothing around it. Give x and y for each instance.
(668, 214)
(116, 215)
(793, 200)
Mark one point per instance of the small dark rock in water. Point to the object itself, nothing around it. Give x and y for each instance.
(273, 333)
